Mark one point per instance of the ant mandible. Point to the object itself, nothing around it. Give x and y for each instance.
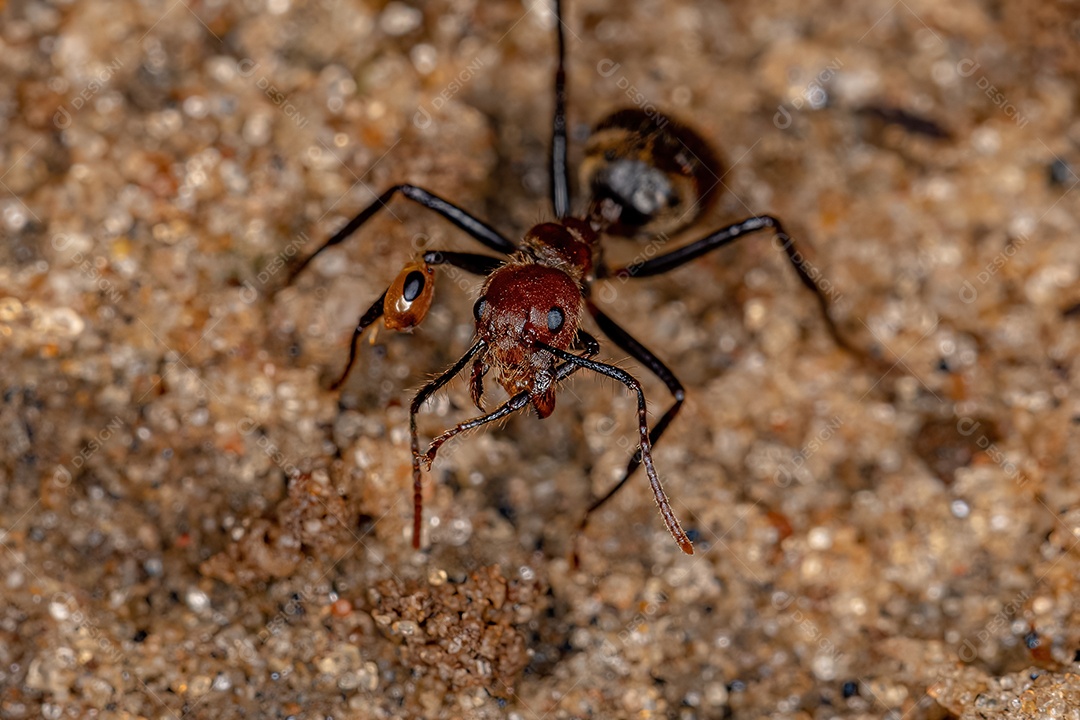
(647, 175)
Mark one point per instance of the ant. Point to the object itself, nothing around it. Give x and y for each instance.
(647, 175)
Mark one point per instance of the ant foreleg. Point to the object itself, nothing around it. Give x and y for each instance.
(727, 235)
(477, 229)
(507, 408)
(515, 403)
(643, 355)
(393, 295)
(645, 447)
(421, 397)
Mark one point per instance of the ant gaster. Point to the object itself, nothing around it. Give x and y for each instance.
(646, 175)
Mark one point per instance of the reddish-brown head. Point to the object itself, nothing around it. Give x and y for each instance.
(524, 302)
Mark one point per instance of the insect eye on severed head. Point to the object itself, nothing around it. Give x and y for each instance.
(524, 303)
(409, 296)
(647, 173)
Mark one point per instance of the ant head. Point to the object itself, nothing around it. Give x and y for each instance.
(647, 174)
(522, 303)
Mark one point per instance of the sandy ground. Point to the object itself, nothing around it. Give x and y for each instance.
(194, 526)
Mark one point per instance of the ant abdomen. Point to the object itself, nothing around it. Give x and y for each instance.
(647, 174)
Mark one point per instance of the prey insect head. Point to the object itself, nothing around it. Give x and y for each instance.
(409, 296)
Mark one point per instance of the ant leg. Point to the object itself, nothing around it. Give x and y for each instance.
(645, 448)
(507, 408)
(643, 355)
(560, 172)
(515, 403)
(728, 235)
(421, 397)
(477, 229)
(469, 262)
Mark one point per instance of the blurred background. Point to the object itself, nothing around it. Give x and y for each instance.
(192, 525)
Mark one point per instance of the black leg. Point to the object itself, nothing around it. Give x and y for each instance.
(642, 354)
(418, 402)
(560, 172)
(724, 236)
(645, 447)
(477, 229)
(469, 262)
(727, 235)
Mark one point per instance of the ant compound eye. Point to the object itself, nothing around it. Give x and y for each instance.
(479, 307)
(413, 285)
(556, 318)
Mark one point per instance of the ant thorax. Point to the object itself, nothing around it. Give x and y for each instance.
(571, 245)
